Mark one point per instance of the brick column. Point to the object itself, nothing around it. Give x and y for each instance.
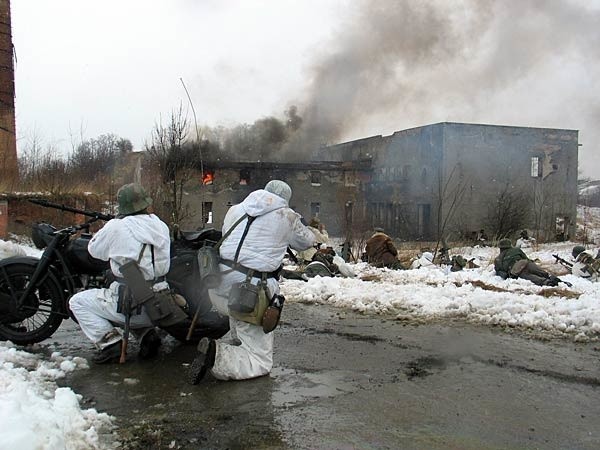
(3, 219)
(8, 145)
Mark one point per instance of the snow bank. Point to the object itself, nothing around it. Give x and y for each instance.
(37, 414)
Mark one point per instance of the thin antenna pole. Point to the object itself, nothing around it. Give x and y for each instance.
(197, 131)
(199, 149)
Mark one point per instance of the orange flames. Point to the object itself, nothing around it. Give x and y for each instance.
(208, 178)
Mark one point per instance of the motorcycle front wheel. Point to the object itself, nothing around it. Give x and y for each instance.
(41, 312)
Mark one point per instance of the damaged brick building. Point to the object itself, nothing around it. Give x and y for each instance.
(445, 179)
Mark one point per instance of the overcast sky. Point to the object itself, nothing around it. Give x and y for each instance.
(357, 68)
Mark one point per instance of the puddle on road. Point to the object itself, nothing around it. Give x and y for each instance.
(292, 387)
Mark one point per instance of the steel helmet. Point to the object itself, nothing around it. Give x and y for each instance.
(577, 250)
(504, 243)
(132, 198)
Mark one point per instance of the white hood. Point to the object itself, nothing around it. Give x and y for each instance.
(261, 202)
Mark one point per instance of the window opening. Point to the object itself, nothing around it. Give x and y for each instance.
(244, 177)
(535, 166)
(315, 209)
(207, 212)
(315, 178)
(349, 213)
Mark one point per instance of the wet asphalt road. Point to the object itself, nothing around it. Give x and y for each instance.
(348, 381)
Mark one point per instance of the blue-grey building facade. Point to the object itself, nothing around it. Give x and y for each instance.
(449, 180)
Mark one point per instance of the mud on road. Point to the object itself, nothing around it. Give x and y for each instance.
(344, 380)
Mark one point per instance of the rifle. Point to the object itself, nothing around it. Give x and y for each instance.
(563, 262)
(127, 313)
(566, 282)
(95, 214)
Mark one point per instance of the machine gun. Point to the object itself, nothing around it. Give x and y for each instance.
(94, 214)
(563, 262)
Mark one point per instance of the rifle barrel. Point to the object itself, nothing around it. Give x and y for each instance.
(84, 212)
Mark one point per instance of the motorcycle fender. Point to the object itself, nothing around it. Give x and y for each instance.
(28, 260)
(32, 261)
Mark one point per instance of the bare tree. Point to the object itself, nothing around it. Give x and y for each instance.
(174, 160)
(450, 195)
(96, 159)
(509, 212)
(51, 174)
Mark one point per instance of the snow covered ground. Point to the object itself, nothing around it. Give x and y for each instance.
(36, 413)
(476, 295)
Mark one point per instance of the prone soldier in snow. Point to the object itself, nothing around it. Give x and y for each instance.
(380, 251)
(513, 263)
(585, 265)
(524, 240)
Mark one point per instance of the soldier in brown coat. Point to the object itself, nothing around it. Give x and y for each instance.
(381, 252)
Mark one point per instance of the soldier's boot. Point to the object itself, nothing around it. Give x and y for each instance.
(149, 345)
(207, 349)
(109, 354)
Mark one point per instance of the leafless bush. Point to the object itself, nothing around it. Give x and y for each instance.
(508, 213)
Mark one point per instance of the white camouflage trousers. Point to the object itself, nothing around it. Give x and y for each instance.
(96, 312)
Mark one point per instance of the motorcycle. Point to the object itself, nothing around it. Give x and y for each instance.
(34, 292)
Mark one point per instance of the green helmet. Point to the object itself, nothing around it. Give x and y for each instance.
(577, 250)
(132, 198)
(459, 261)
(504, 243)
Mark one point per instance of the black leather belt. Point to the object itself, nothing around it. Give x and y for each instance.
(242, 269)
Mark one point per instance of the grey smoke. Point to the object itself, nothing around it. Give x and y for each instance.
(403, 63)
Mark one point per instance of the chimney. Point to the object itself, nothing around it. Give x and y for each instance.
(8, 143)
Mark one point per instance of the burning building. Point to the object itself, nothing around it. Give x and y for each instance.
(441, 180)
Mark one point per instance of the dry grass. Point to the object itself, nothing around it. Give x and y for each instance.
(546, 292)
(558, 292)
(486, 286)
(370, 278)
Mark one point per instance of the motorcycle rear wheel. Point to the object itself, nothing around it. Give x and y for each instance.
(41, 314)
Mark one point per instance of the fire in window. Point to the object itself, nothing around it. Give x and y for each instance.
(244, 177)
(315, 178)
(208, 178)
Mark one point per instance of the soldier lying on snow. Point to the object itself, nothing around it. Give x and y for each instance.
(380, 251)
(585, 265)
(324, 262)
(513, 263)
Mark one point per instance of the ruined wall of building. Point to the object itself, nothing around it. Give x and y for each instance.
(360, 149)
(533, 169)
(401, 197)
(334, 196)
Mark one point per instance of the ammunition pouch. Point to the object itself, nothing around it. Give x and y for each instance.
(248, 302)
(161, 307)
(163, 310)
(208, 266)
